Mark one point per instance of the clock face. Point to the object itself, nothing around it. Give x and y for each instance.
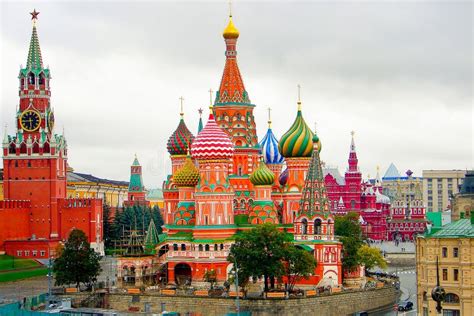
(30, 120)
(51, 121)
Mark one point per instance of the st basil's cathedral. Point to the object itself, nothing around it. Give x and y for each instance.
(224, 181)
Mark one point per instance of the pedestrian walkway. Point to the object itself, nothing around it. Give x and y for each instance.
(391, 247)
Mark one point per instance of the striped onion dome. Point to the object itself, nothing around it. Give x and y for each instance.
(297, 141)
(317, 141)
(180, 140)
(269, 146)
(283, 178)
(262, 175)
(212, 143)
(187, 175)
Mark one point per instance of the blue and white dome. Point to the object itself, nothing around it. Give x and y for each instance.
(269, 146)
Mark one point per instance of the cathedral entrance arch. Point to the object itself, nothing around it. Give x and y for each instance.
(182, 274)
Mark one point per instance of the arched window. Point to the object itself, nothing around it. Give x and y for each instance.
(41, 78)
(183, 247)
(239, 171)
(242, 203)
(317, 226)
(304, 226)
(206, 248)
(175, 247)
(215, 247)
(200, 247)
(222, 246)
(451, 298)
(31, 78)
(353, 204)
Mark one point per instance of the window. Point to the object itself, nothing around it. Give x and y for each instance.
(455, 252)
(206, 248)
(450, 179)
(42, 253)
(353, 204)
(451, 312)
(19, 253)
(445, 274)
(200, 247)
(317, 226)
(451, 298)
(456, 275)
(27, 253)
(430, 180)
(35, 253)
(183, 247)
(444, 252)
(304, 226)
(430, 198)
(440, 187)
(175, 247)
(430, 192)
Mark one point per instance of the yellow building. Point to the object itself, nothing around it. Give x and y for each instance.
(463, 203)
(155, 197)
(453, 245)
(439, 186)
(80, 185)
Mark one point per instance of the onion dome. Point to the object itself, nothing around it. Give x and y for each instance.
(180, 140)
(381, 198)
(187, 175)
(269, 146)
(212, 143)
(262, 175)
(317, 141)
(230, 32)
(283, 178)
(297, 141)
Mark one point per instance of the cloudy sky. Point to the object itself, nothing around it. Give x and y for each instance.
(399, 74)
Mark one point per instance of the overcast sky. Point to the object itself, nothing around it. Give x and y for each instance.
(399, 74)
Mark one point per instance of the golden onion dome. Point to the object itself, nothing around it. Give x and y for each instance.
(187, 175)
(230, 32)
(262, 175)
(298, 140)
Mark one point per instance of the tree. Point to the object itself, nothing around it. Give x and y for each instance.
(348, 228)
(109, 232)
(299, 264)
(371, 257)
(211, 277)
(266, 251)
(77, 263)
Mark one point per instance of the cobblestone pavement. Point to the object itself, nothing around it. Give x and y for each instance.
(16, 290)
(390, 247)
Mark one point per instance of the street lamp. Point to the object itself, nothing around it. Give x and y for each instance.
(438, 293)
(237, 303)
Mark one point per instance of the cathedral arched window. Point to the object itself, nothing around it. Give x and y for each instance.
(183, 247)
(41, 79)
(242, 203)
(317, 226)
(206, 248)
(353, 204)
(200, 247)
(175, 247)
(304, 226)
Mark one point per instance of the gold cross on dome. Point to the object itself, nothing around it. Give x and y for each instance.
(182, 110)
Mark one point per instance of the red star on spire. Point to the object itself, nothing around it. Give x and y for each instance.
(34, 15)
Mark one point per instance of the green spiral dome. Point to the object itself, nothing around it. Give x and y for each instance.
(298, 140)
(187, 175)
(262, 175)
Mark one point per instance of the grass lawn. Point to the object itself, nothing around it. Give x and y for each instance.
(10, 263)
(18, 275)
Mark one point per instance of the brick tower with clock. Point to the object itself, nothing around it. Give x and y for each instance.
(35, 213)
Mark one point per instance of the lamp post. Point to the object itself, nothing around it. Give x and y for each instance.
(438, 293)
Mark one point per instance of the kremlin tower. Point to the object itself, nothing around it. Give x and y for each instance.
(35, 168)
(136, 189)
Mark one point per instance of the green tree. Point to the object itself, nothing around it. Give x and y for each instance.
(77, 263)
(371, 257)
(348, 229)
(211, 277)
(266, 251)
(108, 229)
(299, 264)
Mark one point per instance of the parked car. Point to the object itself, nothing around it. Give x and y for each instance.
(405, 306)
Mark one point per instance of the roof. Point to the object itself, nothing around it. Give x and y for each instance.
(154, 194)
(392, 172)
(468, 184)
(82, 177)
(462, 228)
(333, 171)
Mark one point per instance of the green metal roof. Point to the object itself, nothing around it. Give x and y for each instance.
(435, 218)
(462, 228)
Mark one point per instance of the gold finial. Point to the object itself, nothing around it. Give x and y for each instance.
(269, 117)
(210, 99)
(299, 97)
(182, 110)
(230, 32)
(34, 16)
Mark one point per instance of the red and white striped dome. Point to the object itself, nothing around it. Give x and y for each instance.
(212, 143)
